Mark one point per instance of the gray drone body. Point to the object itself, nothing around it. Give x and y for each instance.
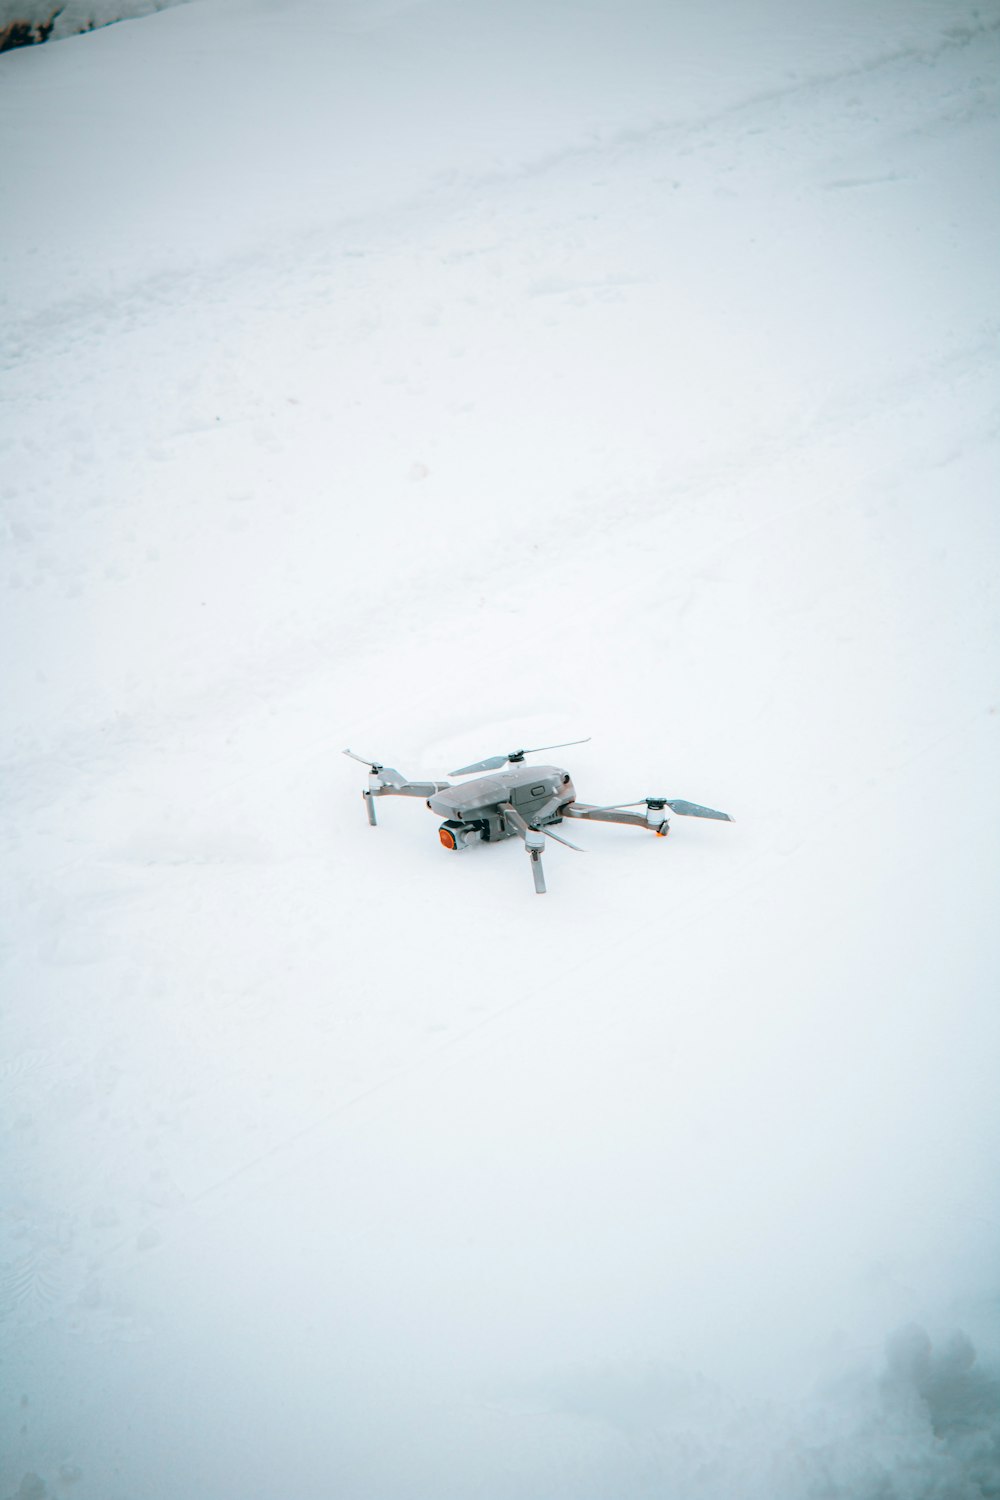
(529, 790)
(518, 801)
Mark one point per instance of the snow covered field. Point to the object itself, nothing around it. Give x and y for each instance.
(436, 378)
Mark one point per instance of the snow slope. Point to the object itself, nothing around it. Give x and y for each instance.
(435, 379)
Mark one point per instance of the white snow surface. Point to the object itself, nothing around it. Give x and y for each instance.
(436, 378)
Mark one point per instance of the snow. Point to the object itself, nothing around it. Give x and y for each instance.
(434, 380)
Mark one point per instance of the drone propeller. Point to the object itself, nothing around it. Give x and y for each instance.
(494, 762)
(560, 840)
(681, 808)
(695, 810)
(372, 765)
(386, 773)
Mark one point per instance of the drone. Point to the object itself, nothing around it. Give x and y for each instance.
(514, 800)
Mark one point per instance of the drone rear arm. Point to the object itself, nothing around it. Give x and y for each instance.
(603, 814)
(412, 789)
(380, 785)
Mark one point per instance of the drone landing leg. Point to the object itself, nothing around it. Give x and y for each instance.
(537, 873)
(370, 805)
(534, 842)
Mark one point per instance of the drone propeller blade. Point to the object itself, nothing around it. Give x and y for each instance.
(695, 810)
(561, 746)
(560, 840)
(372, 764)
(391, 777)
(682, 808)
(494, 762)
(387, 774)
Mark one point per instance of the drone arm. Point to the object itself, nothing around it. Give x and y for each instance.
(533, 837)
(414, 789)
(534, 842)
(603, 814)
(388, 783)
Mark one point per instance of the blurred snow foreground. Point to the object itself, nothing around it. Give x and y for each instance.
(433, 377)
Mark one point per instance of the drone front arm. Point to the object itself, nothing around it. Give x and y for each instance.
(555, 804)
(533, 839)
